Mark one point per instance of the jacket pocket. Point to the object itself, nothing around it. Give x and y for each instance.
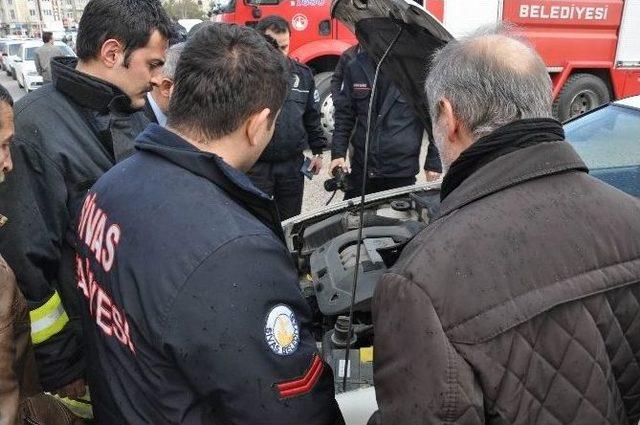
(360, 99)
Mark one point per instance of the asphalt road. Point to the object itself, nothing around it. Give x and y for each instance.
(314, 193)
(11, 85)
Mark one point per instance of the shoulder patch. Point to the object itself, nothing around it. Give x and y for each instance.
(282, 331)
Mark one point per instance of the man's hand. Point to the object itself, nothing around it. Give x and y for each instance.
(431, 176)
(338, 162)
(75, 389)
(316, 164)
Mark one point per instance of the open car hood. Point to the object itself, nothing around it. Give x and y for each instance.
(377, 23)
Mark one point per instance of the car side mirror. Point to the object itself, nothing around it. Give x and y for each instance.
(5, 55)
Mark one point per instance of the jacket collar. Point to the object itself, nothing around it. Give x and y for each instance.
(236, 184)
(88, 91)
(517, 167)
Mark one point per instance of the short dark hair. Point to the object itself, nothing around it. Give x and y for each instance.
(5, 96)
(271, 41)
(47, 36)
(129, 21)
(274, 23)
(217, 88)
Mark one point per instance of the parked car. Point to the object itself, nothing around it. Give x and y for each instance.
(9, 59)
(608, 140)
(25, 67)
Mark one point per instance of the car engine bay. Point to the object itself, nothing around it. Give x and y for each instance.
(325, 247)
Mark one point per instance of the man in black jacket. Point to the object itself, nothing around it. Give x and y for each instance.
(278, 171)
(67, 135)
(216, 330)
(396, 132)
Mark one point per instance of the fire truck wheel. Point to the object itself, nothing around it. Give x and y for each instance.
(323, 85)
(581, 93)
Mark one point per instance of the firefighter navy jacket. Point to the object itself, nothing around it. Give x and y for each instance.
(193, 311)
(67, 135)
(396, 130)
(298, 124)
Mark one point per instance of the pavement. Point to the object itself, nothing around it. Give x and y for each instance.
(11, 85)
(315, 196)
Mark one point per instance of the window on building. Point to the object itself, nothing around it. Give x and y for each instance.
(32, 12)
(10, 2)
(13, 14)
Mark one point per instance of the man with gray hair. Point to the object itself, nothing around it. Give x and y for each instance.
(158, 98)
(519, 303)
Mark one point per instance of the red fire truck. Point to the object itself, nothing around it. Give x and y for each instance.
(591, 47)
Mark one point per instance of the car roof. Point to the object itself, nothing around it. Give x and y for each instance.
(632, 102)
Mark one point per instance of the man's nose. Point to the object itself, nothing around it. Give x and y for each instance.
(156, 78)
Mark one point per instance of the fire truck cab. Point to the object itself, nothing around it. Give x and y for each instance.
(591, 47)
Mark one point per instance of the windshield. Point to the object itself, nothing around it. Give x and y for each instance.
(30, 53)
(608, 140)
(14, 49)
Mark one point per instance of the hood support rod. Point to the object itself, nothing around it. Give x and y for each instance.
(362, 196)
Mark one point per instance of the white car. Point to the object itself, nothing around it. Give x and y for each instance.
(9, 58)
(25, 66)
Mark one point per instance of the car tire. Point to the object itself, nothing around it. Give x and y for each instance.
(323, 85)
(581, 93)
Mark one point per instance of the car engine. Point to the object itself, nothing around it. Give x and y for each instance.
(325, 246)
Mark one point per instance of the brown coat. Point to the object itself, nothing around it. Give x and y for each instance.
(18, 375)
(519, 305)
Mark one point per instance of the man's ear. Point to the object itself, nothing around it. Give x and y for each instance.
(449, 121)
(166, 87)
(111, 53)
(257, 125)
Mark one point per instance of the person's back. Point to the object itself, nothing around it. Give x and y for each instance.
(539, 325)
(525, 288)
(43, 57)
(215, 329)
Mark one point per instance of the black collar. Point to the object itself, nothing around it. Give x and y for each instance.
(506, 139)
(236, 184)
(519, 166)
(88, 91)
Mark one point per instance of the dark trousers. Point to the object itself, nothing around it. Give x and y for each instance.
(282, 180)
(376, 184)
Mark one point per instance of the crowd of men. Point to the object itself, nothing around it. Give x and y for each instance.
(145, 279)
